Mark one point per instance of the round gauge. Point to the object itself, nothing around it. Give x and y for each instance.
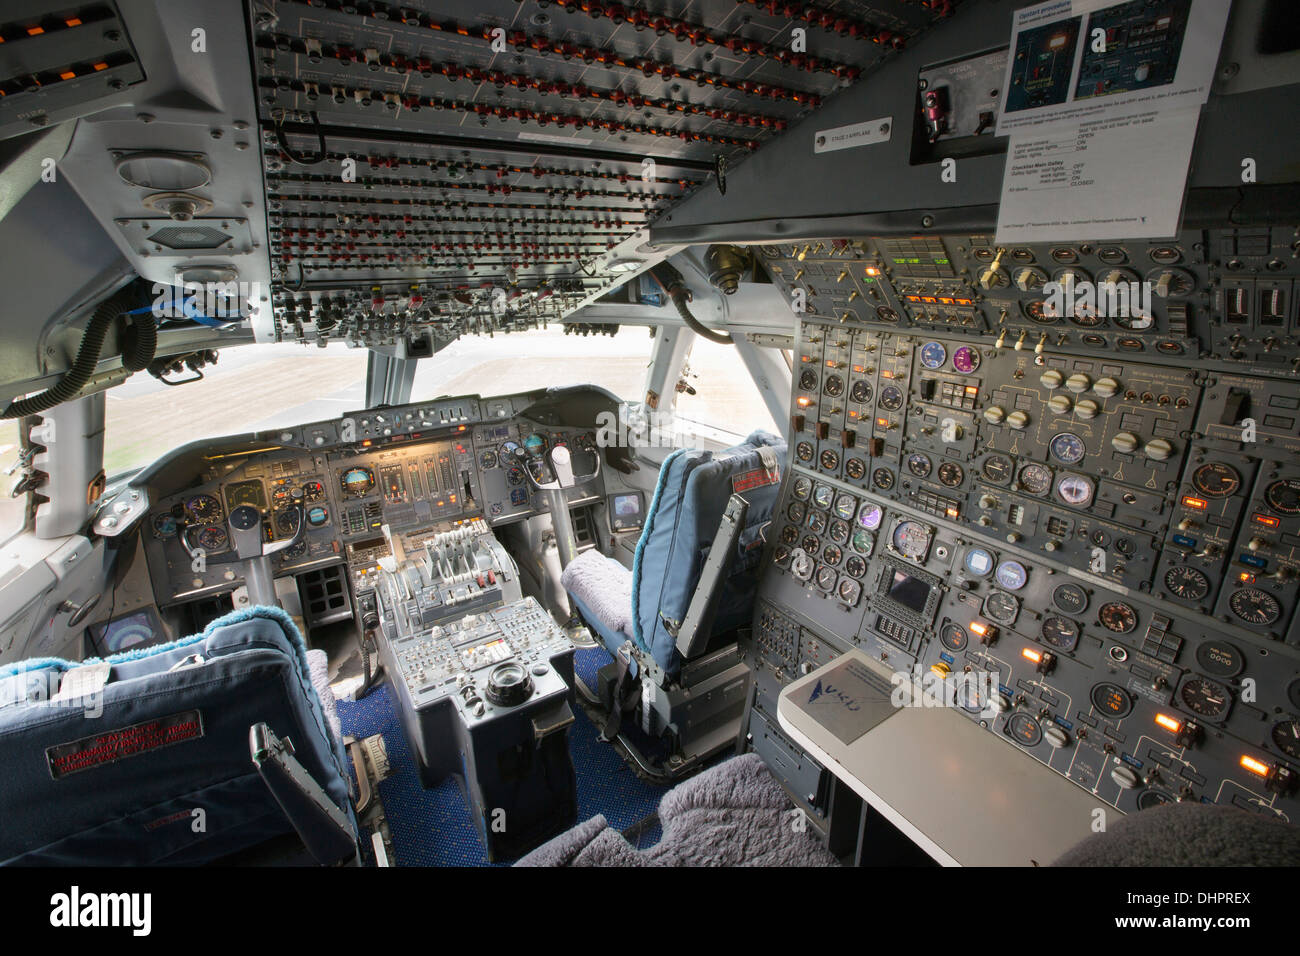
(535, 445)
(1068, 448)
(286, 521)
(831, 554)
(860, 392)
(1024, 730)
(1060, 633)
(1286, 737)
(1117, 617)
(830, 460)
(1075, 490)
(882, 478)
(1216, 479)
(1085, 316)
(1284, 496)
(1220, 659)
(801, 488)
(863, 541)
(823, 496)
(869, 516)
(488, 459)
(1187, 583)
(810, 544)
(789, 534)
(826, 578)
(953, 637)
(1011, 575)
(245, 493)
(839, 531)
(997, 469)
(978, 562)
(1036, 479)
(1036, 311)
(356, 482)
(509, 451)
(1111, 700)
(951, 474)
(808, 380)
(912, 539)
(204, 509)
(797, 512)
(816, 522)
(855, 468)
(313, 491)
(891, 398)
(1134, 321)
(1171, 283)
(804, 451)
(968, 696)
(781, 555)
(164, 525)
(919, 465)
(1070, 598)
(965, 359)
(846, 506)
(586, 441)
(1255, 606)
(834, 386)
(281, 495)
(801, 566)
(1001, 607)
(317, 516)
(1203, 696)
(515, 475)
(212, 538)
(933, 355)
(849, 591)
(855, 566)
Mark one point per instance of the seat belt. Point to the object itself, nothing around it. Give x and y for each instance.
(623, 696)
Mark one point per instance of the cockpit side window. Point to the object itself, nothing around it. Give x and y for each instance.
(717, 390)
(13, 510)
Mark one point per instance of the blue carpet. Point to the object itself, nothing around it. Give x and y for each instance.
(433, 827)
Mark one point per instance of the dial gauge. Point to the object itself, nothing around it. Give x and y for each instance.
(869, 516)
(1070, 598)
(1036, 479)
(1001, 607)
(164, 525)
(1284, 496)
(919, 465)
(801, 488)
(832, 554)
(1111, 700)
(1187, 583)
(510, 450)
(826, 578)
(801, 566)
(1286, 737)
(808, 380)
(204, 509)
(849, 591)
(823, 496)
(1074, 490)
(860, 392)
(1068, 448)
(356, 482)
(839, 531)
(515, 475)
(951, 474)
(535, 445)
(891, 398)
(997, 469)
(978, 561)
(846, 507)
(212, 538)
(965, 359)
(1203, 696)
(855, 468)
(912, 539)
(317, 516)
(797, 512)
(804, 451)
(281, 495)
(313, 491)
(1255, 606)
(1118, 617)
(1024, 730)
(864, 542)
(1216, 479)
(933, 355)
(830, 460)
(789, 534)
(810, 543)
(816, 522)
(286, 521)
(1011, 575)
(882, 478)
(488, 459)
(953, 637)
(855, 566)
(243, 493)
(1060, 633)
(834, 386)
(781, 555)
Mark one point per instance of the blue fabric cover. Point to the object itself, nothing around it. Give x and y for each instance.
(689, 499)
(140, 809)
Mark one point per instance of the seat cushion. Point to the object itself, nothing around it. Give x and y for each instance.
(601, 589)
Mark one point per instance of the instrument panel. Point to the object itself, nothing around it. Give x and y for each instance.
(1100, 513)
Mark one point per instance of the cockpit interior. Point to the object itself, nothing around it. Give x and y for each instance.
(577, 433)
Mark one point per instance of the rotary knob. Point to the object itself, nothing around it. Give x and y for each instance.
(1051, 379)
(1158, 449)
(1126, 443)
(509, 684)
(1106, 387)
(1086, 409)
(1018, 420)
(1059, 404)
(994, 414)
(1078, 382)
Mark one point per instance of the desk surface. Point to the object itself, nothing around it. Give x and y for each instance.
(964, 797)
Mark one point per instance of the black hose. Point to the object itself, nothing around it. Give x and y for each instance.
(140, 343)
(92, 343)
(288, 150)
(671, 280)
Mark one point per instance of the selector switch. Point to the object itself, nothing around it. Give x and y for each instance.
(1126, 443)
(1078, 383)
(1106, 387)
(1158, 449)
(995, 414)
(1018, 420)
(1125, 777)
(1059, 404)
(1051, 379)
(1086, 409)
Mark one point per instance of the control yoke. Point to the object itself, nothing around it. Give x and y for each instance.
(251, 549)
(562, 479)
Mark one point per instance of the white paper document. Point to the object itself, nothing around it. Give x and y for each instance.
(1104, 179)
(1077, 60)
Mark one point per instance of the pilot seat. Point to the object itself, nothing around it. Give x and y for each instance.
(667, 621)
(189, 752)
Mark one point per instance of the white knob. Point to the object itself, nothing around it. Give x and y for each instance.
(1086, 409)
(1158, 449)
(1106, 387)
(1051, 379)
(1078, 382)
(1059, 404)
(994, 414)
(1018, 420)
(1125, 443)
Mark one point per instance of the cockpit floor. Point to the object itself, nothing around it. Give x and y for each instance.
(433, 827)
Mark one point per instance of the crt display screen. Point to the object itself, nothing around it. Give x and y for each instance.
(908, 591)
(627, 506)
